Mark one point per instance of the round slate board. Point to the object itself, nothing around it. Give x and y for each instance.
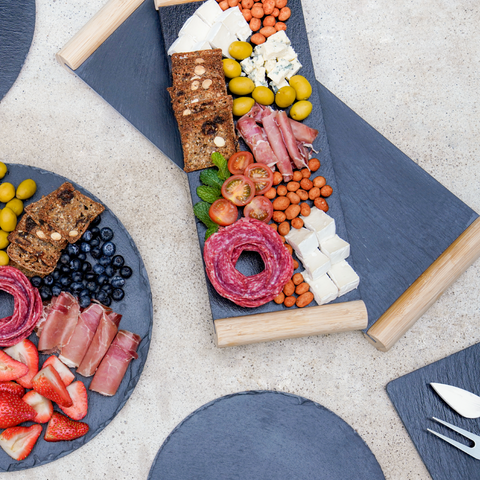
(267, 435)
(17, 24)
(137, 312)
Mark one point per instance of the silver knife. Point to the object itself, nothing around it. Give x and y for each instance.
(465, 403)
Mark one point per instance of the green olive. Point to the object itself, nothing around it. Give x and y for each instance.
(4, 258)
(3, 169)
(242, 105)
(16, 205)
(241, 86)
(301, 86)
(231, 68)
(26, 189)
(240, 50)
(285, 97)
(7, 192)
(263, 95)
(301, 110)
(8, 220)
(3, 240)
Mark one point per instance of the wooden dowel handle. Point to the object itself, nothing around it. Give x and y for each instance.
(166, 3)
(96, 31)
(420, 296)
(299, 322)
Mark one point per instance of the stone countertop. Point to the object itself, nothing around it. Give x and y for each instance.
(411, 71)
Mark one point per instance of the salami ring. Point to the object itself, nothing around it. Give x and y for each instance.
(27, 310)
(222, 251)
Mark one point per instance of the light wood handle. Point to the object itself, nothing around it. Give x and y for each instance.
(96, 31)
(167, 3)
(420, 296)
(299, 322)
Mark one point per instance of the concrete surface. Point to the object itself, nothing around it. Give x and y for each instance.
(409, 69)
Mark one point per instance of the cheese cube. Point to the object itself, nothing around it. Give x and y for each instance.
(270, 65)
(335, 248)
(280, 36)
(209, 12)
(196, 28)
(270, 50)
(344, 277)
(302, 241)
(277, 86)
(247, 65)
(182, 44)
(320, 223)
(316, 264)
(233, 19)
(323, 289)
(295, 66)
(220, 37)
(290, 54)
(258, 77)
(280, 72)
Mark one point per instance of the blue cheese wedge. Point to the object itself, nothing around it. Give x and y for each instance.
(316, 264)
(303, 241)
(321, 223)
(344, 277)
(209, 12)
(335, 248)
(323, 289)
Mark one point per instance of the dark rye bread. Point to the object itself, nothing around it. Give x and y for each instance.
(203, 109)
(28, 261)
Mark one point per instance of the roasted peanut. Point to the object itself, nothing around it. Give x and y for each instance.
(284, 14)
(224, 5)
(233, 3)
(306, 184)
(267, 31)
(302, 194)
(279, 217)
(319, 182)
(326, 191)
(289, 248)
(282, 190)
(304, 299)
(314, 164)
(271, 194)
(297, 223)
(292, 212)
(284, 228)
(295, 265)
(297, 278)
(282, 238)
(276, 12)
(293, 186)
(280, 26)
(257, 38)
(302, 288)
(297, 175)
(313, 193)
(321, 204)
(305, 209)
(247, 4)
(269, 21)
(257, 11)
(289, 288)
(305, 172)
(247, 14)
(268, 7)
(274, 226)
(294, 198)
(280, 3)
(255, 25)
(279, 298)
(277, 178)
(289, 301)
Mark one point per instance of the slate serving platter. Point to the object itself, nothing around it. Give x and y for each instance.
(268, 435)
(17, 24)
(416, 403)
(137, 312)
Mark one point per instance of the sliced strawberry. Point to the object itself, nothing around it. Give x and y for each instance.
(79, 395)
(43, 406)
(19, 441)
(10, 369)
(13, 388)
(27, 353)
(61, 427)
(66, 375)
(13, 410)
(47, 382)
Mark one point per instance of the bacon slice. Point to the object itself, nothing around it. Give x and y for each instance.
(73, 352)
(290, 140)
(106, 331)
(111, 370)
(302, 132)
(60, 324)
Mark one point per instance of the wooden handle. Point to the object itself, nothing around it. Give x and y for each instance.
(166, 3)
(300, 322)
(96, 31)
(420, 296)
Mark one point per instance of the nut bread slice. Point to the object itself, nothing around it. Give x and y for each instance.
(28, 261)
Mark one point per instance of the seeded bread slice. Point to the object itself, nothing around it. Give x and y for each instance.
(28, 261)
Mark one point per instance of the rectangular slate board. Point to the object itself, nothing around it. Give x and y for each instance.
(392, 241)
(416, 403)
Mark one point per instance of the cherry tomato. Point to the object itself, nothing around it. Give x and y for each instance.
(223, 212)
(238, 189)
(238, 161)
(260, 208)
(261, 175)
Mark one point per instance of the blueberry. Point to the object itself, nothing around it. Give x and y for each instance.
(104, 260)
(87, 237)
(84, 301)
(75, 264)
(101, 279)
(107, 287)
(65, 269)
(48, 280)
(82, 256)
(109, 271)
(86, 267)
(98, 269)
(117, 281)
(126, 272)
(95, 252)
(73, 249)
(106, 234)
(77, 277)
(85, 247)
(108, 249)
(92, 286)
(95, 232)
(90, 277)
(101, 296)
(56, 290)
(76, 286)
(36, 281)
(107, 302)
(65, 259)
(96, 220)
(118, 294)
(56, 274)
(65, 281)
(95, 242)
(118, 261)
(46, 293)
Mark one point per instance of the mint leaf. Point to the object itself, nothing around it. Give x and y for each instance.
(200, 210)
(219, 160)
(208, 194)
(210, 231)
(210, 177)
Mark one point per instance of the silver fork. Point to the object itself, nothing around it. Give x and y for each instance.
(472, 451)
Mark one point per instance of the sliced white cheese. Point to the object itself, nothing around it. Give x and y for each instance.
(209, 12)
(344, 277)
(302, 241)
(196, 28)
(316, 263)
(323, 289)
(203, 45)
(182, 44)
(220, 37)
(335, 248)
(233, 19)
(320, 223)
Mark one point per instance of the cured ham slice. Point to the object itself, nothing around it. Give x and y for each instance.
(302, 132)
(60, 324)
(73, 352)
(106, 331)
(111, 370)
(290, 140)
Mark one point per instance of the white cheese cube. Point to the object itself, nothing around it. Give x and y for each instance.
(302, 241)
(335, 248)
(320, 223)
(280, 36)
(203, 45)
(182, 44)
(277, 86)
(290, 54)
(294, 67)
(209, 12)
(280, 72)
(196, 28)
(316, 264)
(220, 37)
(247, 65)
(233, 19)
(258, 61)
(258, 77)
(270, 65)
(243, 31)
(270, 50)
(323, 289)
(344, 277)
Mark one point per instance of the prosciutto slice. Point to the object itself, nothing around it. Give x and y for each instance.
(111, 370)
(59, 324)
(73, 352)
(290, 140)
(302, 132)
(106, 331)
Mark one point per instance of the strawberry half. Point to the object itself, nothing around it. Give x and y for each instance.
(13, 410)
(27, 353)
(10, 369)
(61, 428)
(19, 441)
(43, 406)
(65, 374)
(13, 388)
(47, 382)
(79, 395)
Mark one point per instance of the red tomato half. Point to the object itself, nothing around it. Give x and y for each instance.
(238, 162)
(261, 175)
(223, 212)
(238, 189)
(260, 208)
